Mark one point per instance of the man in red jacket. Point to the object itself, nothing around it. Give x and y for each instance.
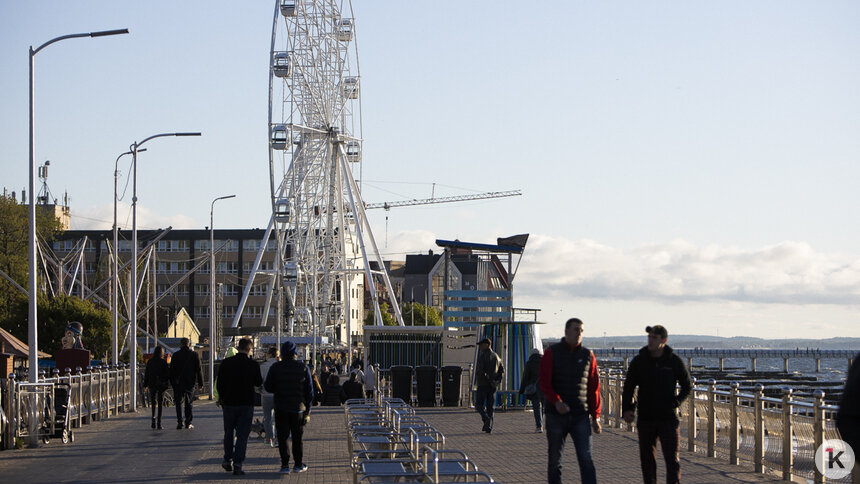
(569, 381)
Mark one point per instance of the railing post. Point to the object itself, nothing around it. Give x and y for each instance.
(80, 393)
(758, 452)
(712, 421)
(606, 396)
(733, 425)
(10, 397)
(787, 457)
(619, 391)
(691, 423)
(818, 429)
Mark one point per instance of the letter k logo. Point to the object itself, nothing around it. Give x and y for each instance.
(834, 459)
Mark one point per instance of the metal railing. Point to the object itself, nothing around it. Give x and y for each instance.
(773, 434)
(97, 393)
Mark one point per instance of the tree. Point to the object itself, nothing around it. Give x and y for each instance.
(14, 242)
(55, 314)
(421, 315)
(387, 317)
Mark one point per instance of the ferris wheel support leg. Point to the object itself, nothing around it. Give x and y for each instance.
(253, 273)
(361, 218)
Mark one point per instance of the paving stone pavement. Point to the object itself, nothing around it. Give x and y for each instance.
(514, 453)
(124, 449)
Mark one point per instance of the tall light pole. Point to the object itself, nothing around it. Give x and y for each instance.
(32, 333)
(132, 354)
(115, 278)
(212, 293)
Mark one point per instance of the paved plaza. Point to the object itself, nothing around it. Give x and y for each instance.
(124, 450)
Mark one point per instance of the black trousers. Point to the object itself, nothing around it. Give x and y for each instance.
(668, 431)
(156, 399)
(182, 397)
(289, 425)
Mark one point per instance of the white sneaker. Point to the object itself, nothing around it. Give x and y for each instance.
(538, 430)
(300, 468)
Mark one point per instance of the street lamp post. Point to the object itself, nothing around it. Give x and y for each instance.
(115, 278)
(132, 354)
(212, 294)
(32, 331)
(32, 334)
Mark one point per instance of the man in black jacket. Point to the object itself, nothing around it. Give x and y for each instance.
(237, 378)
(488, 375)
(290, 381)
(657, 371)
(184, 373)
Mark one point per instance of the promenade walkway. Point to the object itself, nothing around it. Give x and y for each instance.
(126, 450)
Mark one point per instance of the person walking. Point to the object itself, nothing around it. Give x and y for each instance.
(333, 394)
(156, 379)
(571, 387)
(291, 383)
(488, 375)
(530, 387)
(238, 378)
(370, 381)
(267, 400)
(352, 388)
(656, 371)
(184, 373)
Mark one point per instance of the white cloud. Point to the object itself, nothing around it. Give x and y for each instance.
(785, 273)
(100, 217)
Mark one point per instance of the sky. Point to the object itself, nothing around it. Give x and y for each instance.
(693, 164)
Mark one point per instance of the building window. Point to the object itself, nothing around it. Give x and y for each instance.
(91, 267)
(264, 266)
(202, 312)
(230, 290)
(250, 245)
(253, 312)
(271, 246)
(227, 268)
(172, 246)
(172, 268)
(124, 245)
(201, 244)
(229, 311)
(258, 290)
(201, 289)
(90, 247)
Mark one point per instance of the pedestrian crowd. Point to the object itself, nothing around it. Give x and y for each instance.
(561, 383)
(284, 386)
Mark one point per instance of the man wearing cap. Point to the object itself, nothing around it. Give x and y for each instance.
(571, 386)
(238, 378)
(657, 371)
(488, 375)
(291, 382)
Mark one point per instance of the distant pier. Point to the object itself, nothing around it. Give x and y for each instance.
(753, 354)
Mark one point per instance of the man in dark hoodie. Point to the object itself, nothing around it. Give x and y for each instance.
(238, 378)
(848, 416)
(290, 381)
(184, 373)
(656, 370)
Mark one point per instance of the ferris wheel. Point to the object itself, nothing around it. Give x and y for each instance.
(324, 241)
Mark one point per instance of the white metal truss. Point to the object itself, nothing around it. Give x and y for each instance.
(324, 241)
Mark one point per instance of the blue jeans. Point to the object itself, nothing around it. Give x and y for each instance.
(485, 400)
(537, 405)
(579, 428)
(238, 418)
(268, 401)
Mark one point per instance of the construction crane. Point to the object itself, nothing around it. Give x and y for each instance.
(458, 198)
(428, 201)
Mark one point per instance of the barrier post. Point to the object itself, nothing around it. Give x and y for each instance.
(733, 426)
(787, 457)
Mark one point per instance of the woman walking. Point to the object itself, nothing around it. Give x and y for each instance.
(531, 389)
(156, 378)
